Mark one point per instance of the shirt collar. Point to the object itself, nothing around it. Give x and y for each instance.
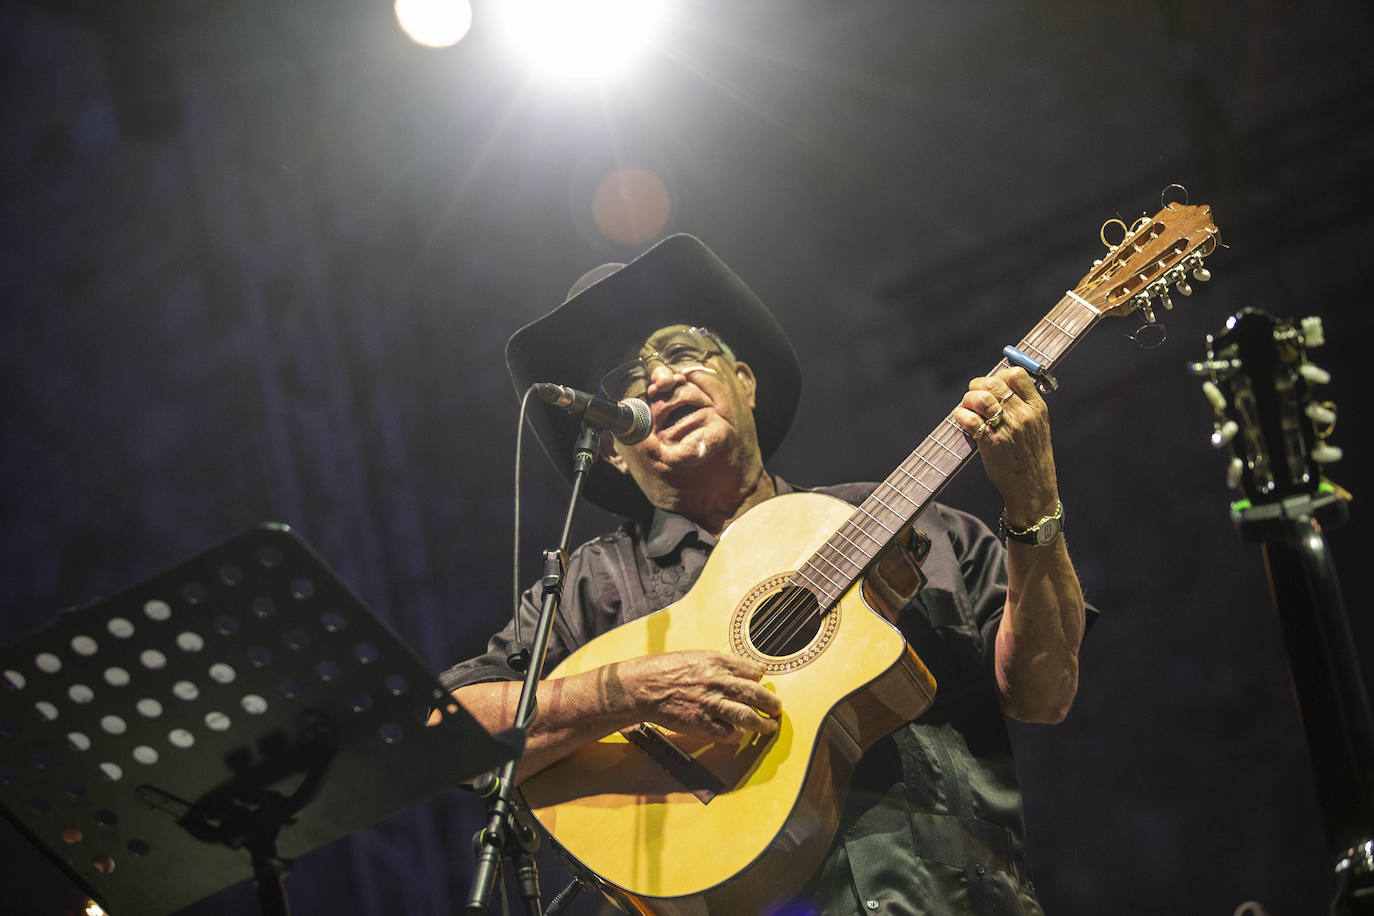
(668, 530)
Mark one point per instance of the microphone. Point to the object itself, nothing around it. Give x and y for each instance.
(629, 420)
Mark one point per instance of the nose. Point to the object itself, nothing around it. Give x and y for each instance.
(661, 377)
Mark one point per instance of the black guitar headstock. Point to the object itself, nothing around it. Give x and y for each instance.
(1260, 382)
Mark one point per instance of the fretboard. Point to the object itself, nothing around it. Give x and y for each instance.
(908, 490)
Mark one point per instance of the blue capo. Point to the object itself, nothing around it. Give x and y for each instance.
(1043, 379)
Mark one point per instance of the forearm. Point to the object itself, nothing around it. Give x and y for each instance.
(571, 712)
(1042, 622)
(710, 693)
(1040, 633)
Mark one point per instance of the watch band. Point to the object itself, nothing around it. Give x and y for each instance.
(1040, 534)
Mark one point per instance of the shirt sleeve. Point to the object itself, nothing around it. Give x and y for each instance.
(493, 665)
(983, 567)
(591, 604)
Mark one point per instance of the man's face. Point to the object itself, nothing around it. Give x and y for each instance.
(703, 413)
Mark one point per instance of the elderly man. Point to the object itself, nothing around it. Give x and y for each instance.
(932, 823)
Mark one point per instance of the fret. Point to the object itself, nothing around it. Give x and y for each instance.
(801, 571)
(840, 533)
(879, 500)
(1044, 357)
(838, 568)
(959, 429)
(935, 467)
(916, 480)
(823, 574)
(1060, 328)
(875, 519)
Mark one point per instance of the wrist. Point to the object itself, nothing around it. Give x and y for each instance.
(1026, 510)
(1040, 533)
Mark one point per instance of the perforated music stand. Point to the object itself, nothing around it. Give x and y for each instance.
(210, 724)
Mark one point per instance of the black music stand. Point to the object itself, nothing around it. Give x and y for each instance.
(212, 723)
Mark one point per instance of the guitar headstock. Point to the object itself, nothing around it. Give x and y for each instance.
(1259, 381)
(1157, 252)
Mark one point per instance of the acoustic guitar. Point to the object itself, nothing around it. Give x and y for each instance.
(669, 823)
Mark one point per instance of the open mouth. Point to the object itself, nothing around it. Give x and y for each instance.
(677, 414)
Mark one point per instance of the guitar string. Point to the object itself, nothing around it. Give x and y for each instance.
(796, 611)
(779, 627)
(781, 623)
(1040, 340)
(783, 614)
(796, 614)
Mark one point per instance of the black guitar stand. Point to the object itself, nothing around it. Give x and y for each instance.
(216, 721)
(1326, 678)
(1259, 380)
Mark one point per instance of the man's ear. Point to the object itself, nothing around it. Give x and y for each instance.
(746, 378)
(611, 455)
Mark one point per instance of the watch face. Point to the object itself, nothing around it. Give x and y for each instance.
(1048, 531)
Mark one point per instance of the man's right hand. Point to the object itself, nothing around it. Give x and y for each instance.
(699, 691)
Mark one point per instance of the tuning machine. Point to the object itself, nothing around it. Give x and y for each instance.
(1321, 413)
(1217, 370)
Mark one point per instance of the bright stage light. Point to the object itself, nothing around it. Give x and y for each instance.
(582, 41)
(434, 23)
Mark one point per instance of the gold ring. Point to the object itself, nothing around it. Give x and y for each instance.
(995, 420)
(981, 431)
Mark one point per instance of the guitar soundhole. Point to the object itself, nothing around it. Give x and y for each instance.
(786, 622)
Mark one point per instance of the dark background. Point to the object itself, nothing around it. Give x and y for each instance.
(259, 261)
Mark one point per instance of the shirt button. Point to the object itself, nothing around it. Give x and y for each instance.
(979, 869)
(872, 904)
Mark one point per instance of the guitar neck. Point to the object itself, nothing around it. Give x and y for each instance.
(854, 548)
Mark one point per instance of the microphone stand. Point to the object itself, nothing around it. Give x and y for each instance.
(509, 831)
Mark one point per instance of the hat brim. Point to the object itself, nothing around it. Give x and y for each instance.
(678, 281)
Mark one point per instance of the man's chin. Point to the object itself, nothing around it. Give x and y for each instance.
(693, 447)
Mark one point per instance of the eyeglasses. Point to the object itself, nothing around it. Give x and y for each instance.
(684, 350)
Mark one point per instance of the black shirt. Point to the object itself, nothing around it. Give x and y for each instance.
(933, 823)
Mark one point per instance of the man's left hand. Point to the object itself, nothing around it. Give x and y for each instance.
(1005, 414)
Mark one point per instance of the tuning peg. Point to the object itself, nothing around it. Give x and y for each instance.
(1160, 290)
(1326, 454)
(1201, 274)
(1312, 334)
(1224, 433)
(1179, 279)
(1316, 375)
(1319, 413)
(1214, 396)
(1234, 472)
(1148, 313)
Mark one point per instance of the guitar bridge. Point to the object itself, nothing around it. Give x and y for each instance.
(693, 777)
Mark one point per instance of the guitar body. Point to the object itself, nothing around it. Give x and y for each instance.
(673, 824)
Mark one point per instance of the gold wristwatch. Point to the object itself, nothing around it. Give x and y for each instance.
(1040, 534)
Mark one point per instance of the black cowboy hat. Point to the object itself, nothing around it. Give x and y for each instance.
(609, 313)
